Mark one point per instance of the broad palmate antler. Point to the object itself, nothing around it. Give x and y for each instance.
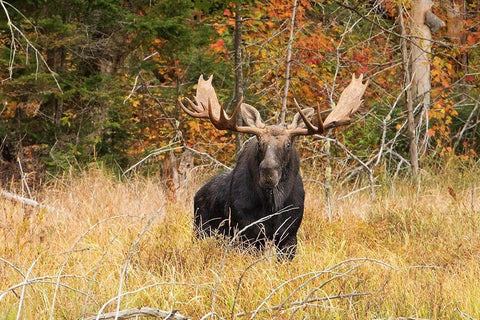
(207, 106)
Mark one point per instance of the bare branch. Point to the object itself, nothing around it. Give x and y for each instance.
(27, 201)
(13, 48)
(140, 312)
(99, 314)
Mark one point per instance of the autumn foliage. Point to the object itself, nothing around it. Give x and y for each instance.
(101, 82)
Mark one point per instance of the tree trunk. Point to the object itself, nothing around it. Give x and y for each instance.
(455, 25)
(283, 111)
(422, 24)
(455, 16)
(56, 61)
(410, 115)
(238, 94)
(421, 47)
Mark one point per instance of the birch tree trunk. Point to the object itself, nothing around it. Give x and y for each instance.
(421, 48)
(423, 22)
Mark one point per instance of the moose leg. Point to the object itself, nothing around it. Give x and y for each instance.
(252, 238)
(287, 248)
(285, 239)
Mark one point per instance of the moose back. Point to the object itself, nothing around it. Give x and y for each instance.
(262, 198)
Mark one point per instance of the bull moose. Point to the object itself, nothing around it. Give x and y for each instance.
(262, 198)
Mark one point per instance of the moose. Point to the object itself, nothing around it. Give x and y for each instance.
(262, 198)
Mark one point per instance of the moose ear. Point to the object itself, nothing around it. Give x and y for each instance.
(251, 117)
(297, 121)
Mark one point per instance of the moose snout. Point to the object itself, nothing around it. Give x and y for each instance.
(269, 175)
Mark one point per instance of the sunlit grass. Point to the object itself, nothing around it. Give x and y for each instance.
(407, 252)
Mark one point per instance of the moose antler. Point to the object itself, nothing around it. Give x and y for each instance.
(208, 107)
(348, 103)
(205, 96)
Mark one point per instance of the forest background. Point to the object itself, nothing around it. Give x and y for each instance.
(98, 81)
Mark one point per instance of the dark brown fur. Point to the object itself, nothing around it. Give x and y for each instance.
(265, 181)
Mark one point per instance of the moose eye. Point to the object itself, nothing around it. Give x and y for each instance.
(287, 145)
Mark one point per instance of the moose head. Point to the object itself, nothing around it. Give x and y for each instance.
(274, 141)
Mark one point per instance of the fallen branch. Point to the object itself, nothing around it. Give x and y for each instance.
(140, 312)
(27, 201)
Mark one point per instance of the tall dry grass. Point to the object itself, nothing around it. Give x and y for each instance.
(102, 245)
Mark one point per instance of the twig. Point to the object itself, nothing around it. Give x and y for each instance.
(13, 266)
(259, 308)
(22, 295)
(232, 314)
(328, 180)
(23, 175)
(355, 192)
(209, 157)
(42, 280)
(387, 118)
(464, 315)
(362, 163)
(134, 88)
(170, 147)
(459, 135)
(97, 268)
(138, 76)
(157, 152)
(337, 276)
(332, 270)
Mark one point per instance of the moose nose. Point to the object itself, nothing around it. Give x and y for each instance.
(269, 173)
(267, 165)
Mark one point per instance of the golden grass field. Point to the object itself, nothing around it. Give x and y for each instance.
(103, 245)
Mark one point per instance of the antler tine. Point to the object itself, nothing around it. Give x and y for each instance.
(230, 123)
(320, 120)
(311, 128)
(237, 110)
(200, 113)
(308, 124)
(222, 123)
(348, 103)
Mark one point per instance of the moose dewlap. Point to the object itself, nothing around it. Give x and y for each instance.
(262, 197)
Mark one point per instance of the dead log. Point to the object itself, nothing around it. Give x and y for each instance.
(30, 202)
